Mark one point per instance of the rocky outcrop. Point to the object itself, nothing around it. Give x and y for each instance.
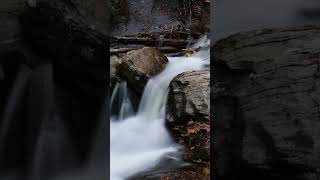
(189, 121)
(265, 96)
(137, 66)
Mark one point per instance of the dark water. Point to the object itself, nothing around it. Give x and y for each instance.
(49, 129)
(232, 16)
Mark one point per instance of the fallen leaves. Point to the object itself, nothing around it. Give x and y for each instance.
(206, 171)
(165, 178)
(197, 127)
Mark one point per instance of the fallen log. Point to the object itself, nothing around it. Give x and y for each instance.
(152, 41)
(125, 50)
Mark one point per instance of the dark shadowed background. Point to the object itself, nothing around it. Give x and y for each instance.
(231, 16)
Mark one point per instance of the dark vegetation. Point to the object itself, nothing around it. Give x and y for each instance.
(119, 10)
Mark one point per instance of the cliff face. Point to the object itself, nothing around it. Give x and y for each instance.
(265, 95)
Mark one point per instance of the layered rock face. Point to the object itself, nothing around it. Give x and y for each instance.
(265, 95)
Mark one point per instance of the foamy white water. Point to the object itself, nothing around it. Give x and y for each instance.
(140, 141)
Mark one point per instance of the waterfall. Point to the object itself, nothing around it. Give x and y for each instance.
(139, 141)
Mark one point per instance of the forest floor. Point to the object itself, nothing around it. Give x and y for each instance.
(160, 15)
(146, 16)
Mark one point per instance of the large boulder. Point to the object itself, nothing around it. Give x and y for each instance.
(189, 120)
(189, 96)
(137, 66)
(265, 96)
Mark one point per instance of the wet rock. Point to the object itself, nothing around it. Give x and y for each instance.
(137, 66)
(266, 103)
(189, 120)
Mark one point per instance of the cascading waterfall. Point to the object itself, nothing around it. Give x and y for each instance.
(140, 141)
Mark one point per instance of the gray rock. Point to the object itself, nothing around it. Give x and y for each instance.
(137, 66)
(189, 120)
(189, 96)
(266, 99)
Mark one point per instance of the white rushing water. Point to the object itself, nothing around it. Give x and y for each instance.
(139, 141)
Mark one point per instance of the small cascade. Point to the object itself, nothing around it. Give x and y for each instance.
(52, 144)
(98, 162)
(140, 141)
(13, 101)
(126, 109)
(121, 102)
(45, 128)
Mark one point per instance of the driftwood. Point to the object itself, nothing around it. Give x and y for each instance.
(178, 43)
(125, 50)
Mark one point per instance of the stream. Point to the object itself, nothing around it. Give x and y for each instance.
(139, 141)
